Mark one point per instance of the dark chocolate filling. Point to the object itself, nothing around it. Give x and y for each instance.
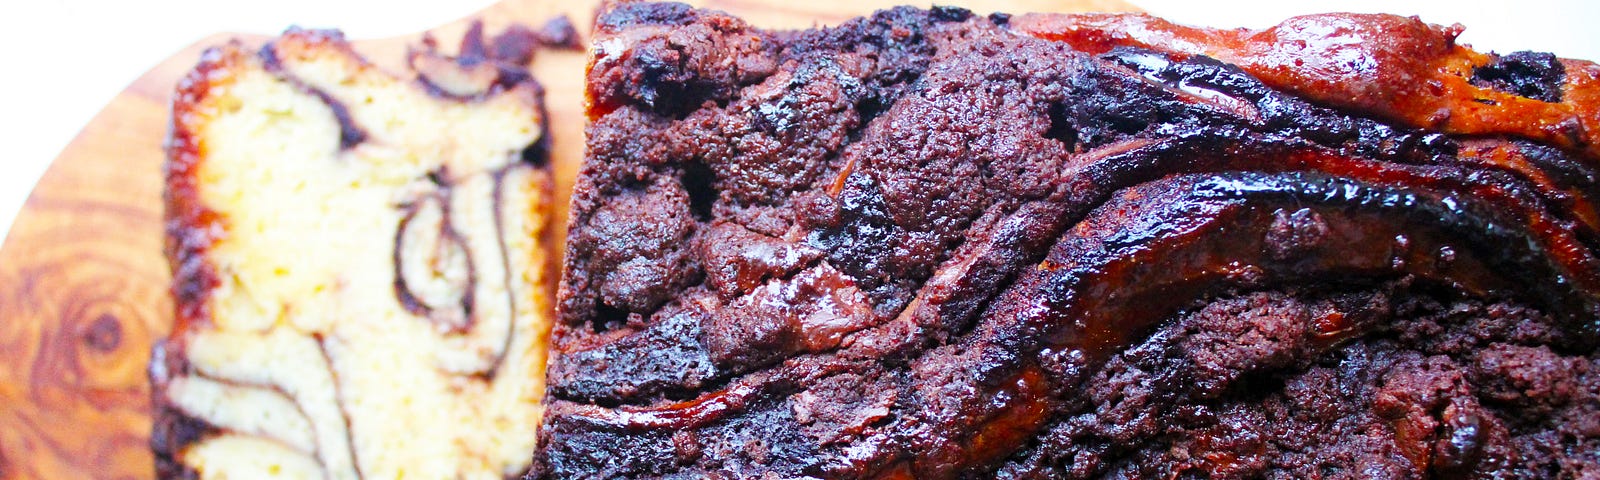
(190, 235)
(350, 134)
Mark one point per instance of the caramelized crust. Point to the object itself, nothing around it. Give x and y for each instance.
(930, 244)
(360, 288)
(1395, 68)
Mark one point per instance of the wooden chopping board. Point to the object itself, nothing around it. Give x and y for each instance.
(83, 281)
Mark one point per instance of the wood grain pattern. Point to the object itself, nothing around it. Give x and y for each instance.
(83, 283)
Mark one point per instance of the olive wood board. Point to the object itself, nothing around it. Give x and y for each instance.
(83, 280)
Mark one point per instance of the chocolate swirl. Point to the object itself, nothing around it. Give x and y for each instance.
(433, 272)
(930, 245)
(348, 269)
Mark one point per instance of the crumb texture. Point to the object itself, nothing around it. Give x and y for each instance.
(358, 270)
(934, 244)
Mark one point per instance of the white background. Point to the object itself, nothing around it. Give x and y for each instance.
(60, 61)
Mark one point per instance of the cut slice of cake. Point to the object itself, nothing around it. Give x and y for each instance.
(360, 282)
(933, 244)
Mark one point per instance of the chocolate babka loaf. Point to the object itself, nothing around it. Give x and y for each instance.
(934, 244)
(358, 272)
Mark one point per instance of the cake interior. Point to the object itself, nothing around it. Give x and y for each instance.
(379, 308)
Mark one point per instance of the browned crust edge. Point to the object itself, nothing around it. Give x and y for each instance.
(191, 228)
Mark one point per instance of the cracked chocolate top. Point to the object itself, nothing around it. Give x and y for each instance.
(933, 244)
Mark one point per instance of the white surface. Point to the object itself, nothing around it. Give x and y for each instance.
(65, 59)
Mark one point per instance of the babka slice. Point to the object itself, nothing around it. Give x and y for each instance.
(933, 244)
(360, 283)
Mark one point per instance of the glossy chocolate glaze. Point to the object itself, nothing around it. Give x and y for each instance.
(928, 244)
(1388, 66)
